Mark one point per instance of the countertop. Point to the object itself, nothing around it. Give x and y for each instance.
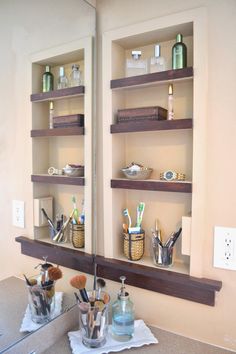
(169, 343)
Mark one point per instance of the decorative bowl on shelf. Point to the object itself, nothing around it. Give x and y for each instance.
(137, 171)
(74, 170)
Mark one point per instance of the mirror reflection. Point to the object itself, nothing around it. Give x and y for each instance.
(64, 24)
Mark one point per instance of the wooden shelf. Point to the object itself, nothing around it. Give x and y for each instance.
(57, 94)
(67, 257)
(166, 282)
(142, 126)
(57, 132)
(41, 178)
(168, 75)
(152, 185)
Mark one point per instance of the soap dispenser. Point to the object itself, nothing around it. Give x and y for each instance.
(123, 315)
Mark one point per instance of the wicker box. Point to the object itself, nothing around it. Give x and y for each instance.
(134, 245)
(141, 114)
(77, 235)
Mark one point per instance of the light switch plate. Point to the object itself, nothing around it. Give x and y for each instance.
(225, 247)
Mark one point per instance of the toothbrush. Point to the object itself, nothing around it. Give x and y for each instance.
(82, 216)
(126, 213)
(76, 212)
(140, 211)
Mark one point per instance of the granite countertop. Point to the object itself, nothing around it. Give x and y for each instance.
(169, 343)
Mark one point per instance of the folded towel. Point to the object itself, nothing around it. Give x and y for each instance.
(29, 326)
(142, 336)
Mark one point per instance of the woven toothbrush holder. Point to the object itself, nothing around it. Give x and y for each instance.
(134, 245)
(77, 235)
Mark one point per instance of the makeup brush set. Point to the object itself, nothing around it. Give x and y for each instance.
(75, 219)
(41, 292)
(163, 251)
(93, 308)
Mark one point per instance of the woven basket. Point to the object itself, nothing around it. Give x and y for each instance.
(134, 246)
(77, 235)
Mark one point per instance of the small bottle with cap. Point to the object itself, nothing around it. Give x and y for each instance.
(179, 53)
(51, 114)
(170, 103)
(157, 63)
(62, 80)
(136, 65)
(123, 315)
(47, 80)
(75, 76)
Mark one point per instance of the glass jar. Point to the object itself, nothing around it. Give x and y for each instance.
(41, 300)
(75, 76)
(93, 317)
(123, 316)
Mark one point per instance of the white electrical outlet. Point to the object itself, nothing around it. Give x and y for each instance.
(225, 247)
(18, 213)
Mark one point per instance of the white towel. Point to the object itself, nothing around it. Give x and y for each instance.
(142, 336)
(29, 326)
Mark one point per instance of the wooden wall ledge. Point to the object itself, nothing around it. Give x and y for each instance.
(183, 286)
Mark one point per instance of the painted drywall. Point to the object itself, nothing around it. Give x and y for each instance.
(215, 325)
(28, 27)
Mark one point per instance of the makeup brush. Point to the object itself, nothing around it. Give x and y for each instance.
(31, 282)
(79, 282)
(100, 285)
(54, 273)
(77, 298)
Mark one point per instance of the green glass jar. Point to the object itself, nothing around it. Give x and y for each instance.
(179, 53)
(47, 80)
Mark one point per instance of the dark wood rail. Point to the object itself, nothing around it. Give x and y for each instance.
(57, 94)
(168, 75)
(167, 282)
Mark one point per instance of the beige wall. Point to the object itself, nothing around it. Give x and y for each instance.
(215, 325)
(24, 30)
(27, 27)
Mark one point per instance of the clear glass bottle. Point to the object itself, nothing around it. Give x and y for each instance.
(51, 114)
(136, 65)
(47, 80)
(157, 63)
(123, 315)
(179, 53)
(62, 80)
(75, 76)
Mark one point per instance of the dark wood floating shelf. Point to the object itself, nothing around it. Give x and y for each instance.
(166, 282)
(150, 125)
(57, 94)
(152, 185)
(77, 181)
(67, 257)
(57, 132)
(168, 75)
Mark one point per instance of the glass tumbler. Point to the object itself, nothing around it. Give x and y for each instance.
(41, 300)
(93, 317)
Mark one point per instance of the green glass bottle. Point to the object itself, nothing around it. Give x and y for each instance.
(179, 53)
(47, 80)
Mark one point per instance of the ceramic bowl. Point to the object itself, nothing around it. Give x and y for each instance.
(74, 171)
(144, 173)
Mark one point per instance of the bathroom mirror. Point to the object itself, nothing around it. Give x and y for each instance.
(28, 28)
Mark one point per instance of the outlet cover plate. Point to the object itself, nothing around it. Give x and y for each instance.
(225, 247)
(18, 213)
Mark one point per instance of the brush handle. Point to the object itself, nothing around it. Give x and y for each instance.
(84, 295)
(48, 219)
